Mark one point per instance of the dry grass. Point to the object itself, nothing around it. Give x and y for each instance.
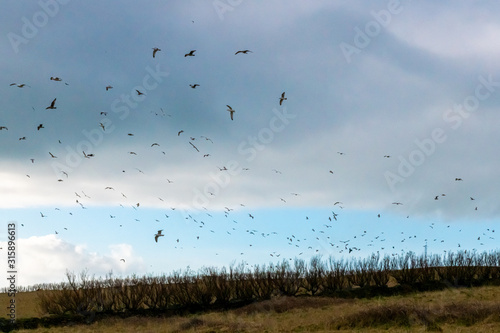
(452, 310)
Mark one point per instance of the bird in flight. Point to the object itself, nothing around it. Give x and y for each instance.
(55, 79)
(19, 85)
(108, 87)
(52, 155)
(397, 203)
(231, 111)
(243, 51)
(179, 133)
(282, 98)
(190, 54)
(40, 126)
(3, 128)
(52, 105)
(139, 93)
(155, 49)
(194, 146)
(194, 85)
(158, 234)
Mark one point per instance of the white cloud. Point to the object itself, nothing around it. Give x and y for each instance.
(46, 259)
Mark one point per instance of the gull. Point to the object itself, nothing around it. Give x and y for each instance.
(472, 198)
(243, 51)
(155, 144)
(155, 49)
(87, 155)
(139, 93)
(194, 146)
(190, 54)
(65, 173)
(108, 87)
(22, 138)
(3, 128)
(43, 215)
(109, 188)
(52, 155)
(397, 203)
(104, 113)
(130, 134)
(52, 105)
(387, 156)
(19, 85)
(206, 155)
(179, 133)
(194, 85)
(122, 260)
(158, 234)
(458, 179)
(208, 139)
(40, 126)
(282, 98)
(436, 197)
(102, 126)
(55, 79)
(231, 111)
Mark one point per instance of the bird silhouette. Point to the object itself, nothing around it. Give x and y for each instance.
(190, 54)
(155, 49)
(243, 51)
(194, 85)
(282, 98)
(139, 93)
(158, 234)
(107, 88)
(231, 111)
(52, 105)
(55, 79)
(39, 127)
(3, 128)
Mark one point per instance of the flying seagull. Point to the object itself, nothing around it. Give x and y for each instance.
(3, 128)
(231, 111)
(55, 79)
(282, 98)
(40, 126)
(159, 234)
(155, 49)
(243, 51)
(139, 93)
(52, 105)
(190, 54)
(194, 146)
(194, 85)
(108, 87)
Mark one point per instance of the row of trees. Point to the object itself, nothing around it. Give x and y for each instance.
(239, 284)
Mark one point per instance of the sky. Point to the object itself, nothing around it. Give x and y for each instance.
(386, 141)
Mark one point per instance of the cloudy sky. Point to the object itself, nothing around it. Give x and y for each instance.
(387, 102)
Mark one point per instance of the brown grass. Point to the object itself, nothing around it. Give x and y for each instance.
(451, 310)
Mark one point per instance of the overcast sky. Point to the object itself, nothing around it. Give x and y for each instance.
(387, 102)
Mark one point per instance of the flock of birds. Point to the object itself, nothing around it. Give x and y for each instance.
(319, 238)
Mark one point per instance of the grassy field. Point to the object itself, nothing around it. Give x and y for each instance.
(452, 310)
